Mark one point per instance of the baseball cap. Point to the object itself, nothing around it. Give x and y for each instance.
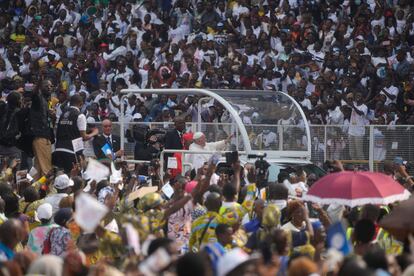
(62, 182)
(44, 211)
(137, 116)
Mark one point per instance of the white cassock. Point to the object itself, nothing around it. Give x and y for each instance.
(198, 160)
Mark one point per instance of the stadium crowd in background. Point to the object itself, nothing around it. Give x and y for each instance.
(62, 68)
(345, 62)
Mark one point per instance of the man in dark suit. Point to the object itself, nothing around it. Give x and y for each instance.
(173, 138)
(106, 137)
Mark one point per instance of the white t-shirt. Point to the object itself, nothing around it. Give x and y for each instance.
(358, 122)
(335, 117)
(54, 200)
(266, 139)
(81, 122)
(306, 103)
(390, 90)
(176, 34)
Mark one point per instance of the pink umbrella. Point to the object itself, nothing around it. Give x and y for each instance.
(356, 188)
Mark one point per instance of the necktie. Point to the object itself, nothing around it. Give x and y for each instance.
(108, 140)
(181, 138)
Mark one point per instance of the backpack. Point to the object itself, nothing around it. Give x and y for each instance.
(9, 126)
(47, 243)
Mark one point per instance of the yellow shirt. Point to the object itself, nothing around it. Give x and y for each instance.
(18, 38)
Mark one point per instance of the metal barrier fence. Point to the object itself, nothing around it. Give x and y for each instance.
(262, 137)
(369, 149)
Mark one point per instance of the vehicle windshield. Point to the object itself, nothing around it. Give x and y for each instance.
(258, 121)
(272, 120)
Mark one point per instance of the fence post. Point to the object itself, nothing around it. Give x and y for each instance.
(122, 126)
(325, 143)
(280, 132)
(371, 148)
(237, 134)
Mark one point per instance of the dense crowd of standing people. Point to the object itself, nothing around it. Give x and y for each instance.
(63, 65)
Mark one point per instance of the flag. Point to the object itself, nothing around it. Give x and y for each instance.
(107, 149)
(336, 238)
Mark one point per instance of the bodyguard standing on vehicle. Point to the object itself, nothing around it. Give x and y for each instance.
(71, 125)
(41, 127)
(10, 125)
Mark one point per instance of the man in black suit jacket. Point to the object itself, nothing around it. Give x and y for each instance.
(173, 138)
(107, 138)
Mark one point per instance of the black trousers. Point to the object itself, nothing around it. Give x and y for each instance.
(65, 160)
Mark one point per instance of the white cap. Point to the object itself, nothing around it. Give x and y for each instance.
(137, 116)
(44, 211)
(231, 260)
(198, 135)
(62, 182)
(52, 52)
(90, 120)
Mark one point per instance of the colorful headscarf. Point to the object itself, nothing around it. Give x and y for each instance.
(150, 201)
(271, 216)
(232, 215)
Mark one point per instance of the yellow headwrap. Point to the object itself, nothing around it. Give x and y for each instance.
(271, 216)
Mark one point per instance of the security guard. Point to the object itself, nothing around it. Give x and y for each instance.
(71, 125)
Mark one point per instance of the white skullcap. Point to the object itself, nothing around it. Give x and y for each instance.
(198, 135)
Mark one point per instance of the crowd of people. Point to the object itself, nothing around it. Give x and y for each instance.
(63, 65)
(215, 221)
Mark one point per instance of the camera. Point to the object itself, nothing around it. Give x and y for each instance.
(262, 167)
(158, 133)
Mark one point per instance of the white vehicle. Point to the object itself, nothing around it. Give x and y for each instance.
(276, 165)
(260, 121)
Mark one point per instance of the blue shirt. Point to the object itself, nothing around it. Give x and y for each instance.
(252, 226)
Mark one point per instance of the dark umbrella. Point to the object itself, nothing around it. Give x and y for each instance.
(400, 222)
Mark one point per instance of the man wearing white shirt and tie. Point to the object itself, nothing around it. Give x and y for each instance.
(113, 141)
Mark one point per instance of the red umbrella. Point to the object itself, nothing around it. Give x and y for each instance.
(356, 188)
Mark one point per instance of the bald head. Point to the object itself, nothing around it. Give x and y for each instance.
(107, 127)
(213, 202)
